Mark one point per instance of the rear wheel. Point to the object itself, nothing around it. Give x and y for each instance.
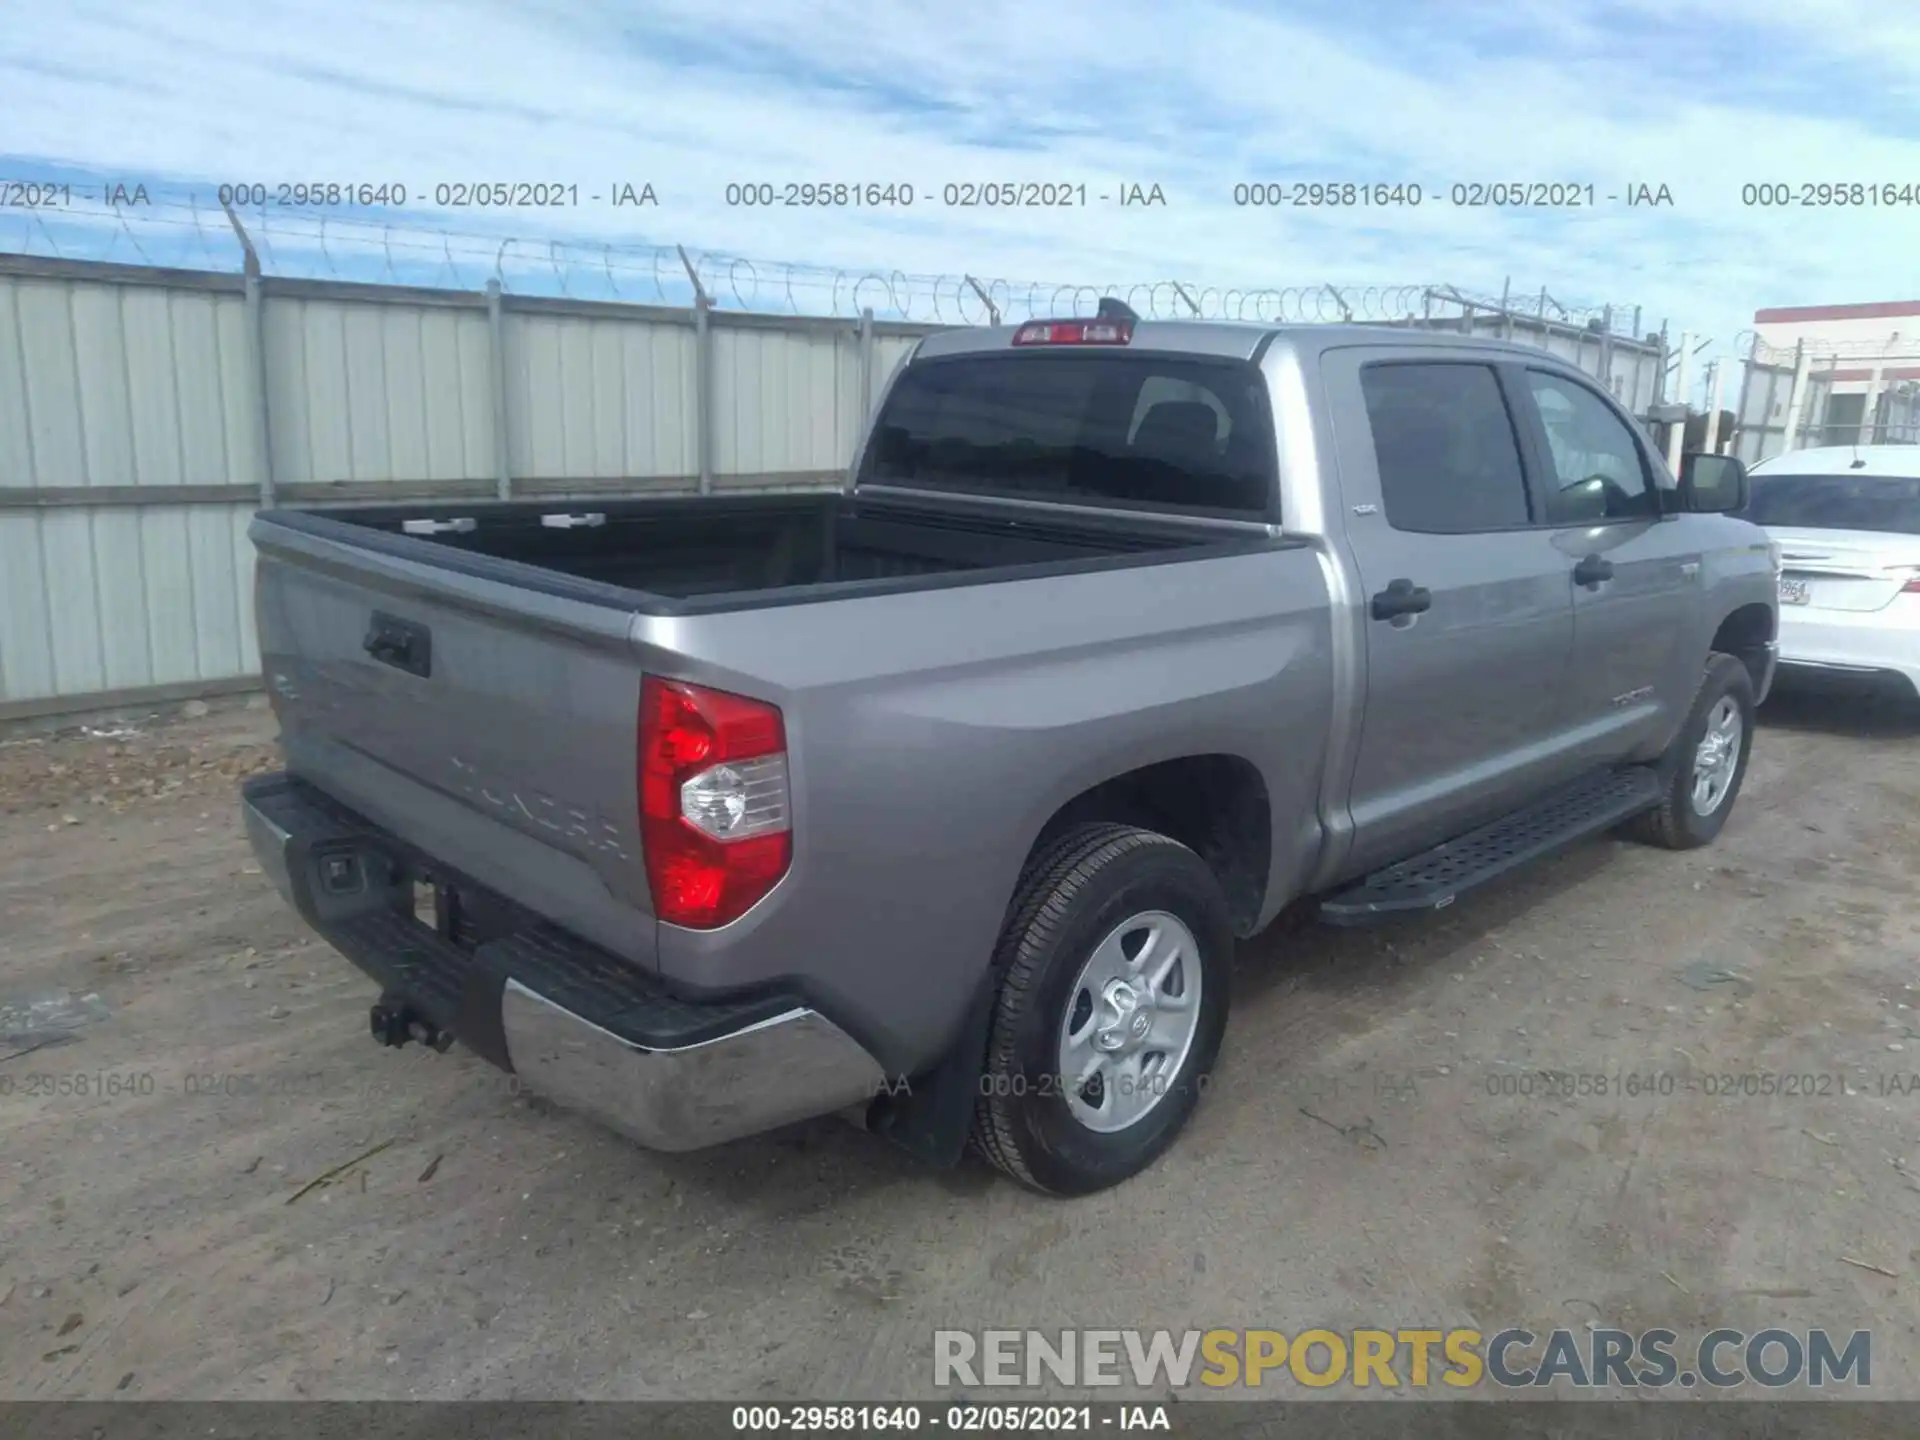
(1707, 762)
(1113, 999)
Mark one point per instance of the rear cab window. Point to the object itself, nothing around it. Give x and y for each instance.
(1135, 429)
(1888, 504)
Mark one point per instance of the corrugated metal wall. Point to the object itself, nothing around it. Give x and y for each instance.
(1764, 406)
(370, 392)
(116, 388)
(135, 404)
(603, 399)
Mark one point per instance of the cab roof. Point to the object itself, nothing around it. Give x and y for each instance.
(1233, 339)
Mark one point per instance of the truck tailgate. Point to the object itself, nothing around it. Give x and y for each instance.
(493, 726)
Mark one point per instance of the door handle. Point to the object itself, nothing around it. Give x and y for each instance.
(403, 644)
(1402, 597)
(1592, 571)
(393, 649)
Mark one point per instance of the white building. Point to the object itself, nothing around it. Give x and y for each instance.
(1862, 369)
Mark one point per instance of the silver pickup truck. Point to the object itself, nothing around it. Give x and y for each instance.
(940, 802)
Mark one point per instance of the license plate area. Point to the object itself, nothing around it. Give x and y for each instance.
(1794, 592)
(428, 904)
(455, 912)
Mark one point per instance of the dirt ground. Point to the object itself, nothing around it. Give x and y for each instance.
(1368, 1155)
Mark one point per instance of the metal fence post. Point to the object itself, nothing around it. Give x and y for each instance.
(263, 409)
(256, 340)
(702, 373)
(1815, 428)
(1677, 436)
(1606, 351)
(1739, 432)
(866, 381)
(703, 387)
(497, 343)
(1870, 407)
(866, 361)
(1766, 414)
(993, 310)
(1797, 396)
(1716, 375)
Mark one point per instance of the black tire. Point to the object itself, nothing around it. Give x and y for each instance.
(1676, 823)
(1072, 895)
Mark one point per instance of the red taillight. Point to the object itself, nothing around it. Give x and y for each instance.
(714, 814)
(1912, 587)
(1074, 332)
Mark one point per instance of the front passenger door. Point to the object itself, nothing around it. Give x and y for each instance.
(1636, 572)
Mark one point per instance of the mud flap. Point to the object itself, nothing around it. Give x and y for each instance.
(929, 1116)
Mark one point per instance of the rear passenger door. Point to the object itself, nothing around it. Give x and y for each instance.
(1637, 589)
(1466, 607)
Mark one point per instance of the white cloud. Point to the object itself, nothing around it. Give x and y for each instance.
(687, 95)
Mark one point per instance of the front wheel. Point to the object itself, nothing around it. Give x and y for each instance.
(1114, 968)
(1707, 762)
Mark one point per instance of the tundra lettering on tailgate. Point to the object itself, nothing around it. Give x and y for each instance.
(594, 831)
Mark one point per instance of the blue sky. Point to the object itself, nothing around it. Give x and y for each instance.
(1701, 97)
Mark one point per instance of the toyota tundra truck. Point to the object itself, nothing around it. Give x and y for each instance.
(940, 801)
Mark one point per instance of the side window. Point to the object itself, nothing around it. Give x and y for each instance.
(1449, 460)
(1599, 473)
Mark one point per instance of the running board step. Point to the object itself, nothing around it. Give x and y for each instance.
(1435, 878)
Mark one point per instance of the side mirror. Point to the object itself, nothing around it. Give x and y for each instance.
(1583, 502)
(1712, 484)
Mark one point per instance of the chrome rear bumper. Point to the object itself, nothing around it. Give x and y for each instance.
(788, 1067)
(580, 1026)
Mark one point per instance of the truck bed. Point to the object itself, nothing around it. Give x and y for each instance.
(474, 690)
(705, 553)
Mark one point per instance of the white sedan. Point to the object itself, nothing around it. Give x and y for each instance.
(1847, 521)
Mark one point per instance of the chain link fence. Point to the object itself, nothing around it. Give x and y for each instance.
(1819, 392)
(194, 230)
(184, 365)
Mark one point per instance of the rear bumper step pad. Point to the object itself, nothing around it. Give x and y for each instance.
(576, 1023)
